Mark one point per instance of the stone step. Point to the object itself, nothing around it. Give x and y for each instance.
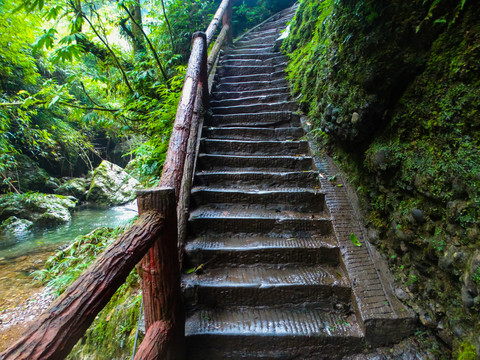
(272, 61)
(245, 133)
(237, 70)
(226, 249)
(263, 99)
(259, 333)
(261, 119)
(264, 56)
(260, 34)
(206, 221)
(279, 24)
(258, 40)
(238, 95)
(250, 85)
(254, 108)
(299, 200)
(257, 180)
(279, 75)
(247, 147)
(251, 52)
(260, 46)
(320, 287)
(254, 163)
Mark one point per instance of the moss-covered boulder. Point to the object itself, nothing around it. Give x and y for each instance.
(15, 226)
(76, 187)
(111, 185)
(41, 209)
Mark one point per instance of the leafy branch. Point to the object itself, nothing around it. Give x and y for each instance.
(157, 59)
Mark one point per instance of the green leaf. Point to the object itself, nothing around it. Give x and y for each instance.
(355, 240)
(53, 102)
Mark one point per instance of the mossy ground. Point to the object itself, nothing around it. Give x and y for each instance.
(112, 334)
(394, 91)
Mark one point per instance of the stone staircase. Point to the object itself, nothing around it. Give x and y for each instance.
(268, 277)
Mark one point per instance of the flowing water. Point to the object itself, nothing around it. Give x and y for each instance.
(23, 253)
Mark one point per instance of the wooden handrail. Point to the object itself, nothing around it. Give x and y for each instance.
(55, 332)
(156, 238)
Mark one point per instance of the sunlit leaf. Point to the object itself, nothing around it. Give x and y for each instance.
(355, 240)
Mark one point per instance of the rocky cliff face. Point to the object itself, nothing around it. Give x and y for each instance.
(393, 89)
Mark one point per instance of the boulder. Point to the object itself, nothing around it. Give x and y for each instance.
(41, 209)
(15, 225)
(76, 187)
(111, 185)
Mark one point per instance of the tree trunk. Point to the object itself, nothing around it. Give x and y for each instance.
(138, 40)
(57, 330)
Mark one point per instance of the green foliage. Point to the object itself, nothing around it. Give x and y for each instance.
(248, 13)
(67, 265)
(150, 155)
(476, 276)
(112, 333)
(467, 352)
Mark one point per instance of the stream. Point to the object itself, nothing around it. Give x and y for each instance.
(23, 253)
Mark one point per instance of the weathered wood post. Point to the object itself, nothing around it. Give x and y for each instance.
(227, 21)
(160, 271)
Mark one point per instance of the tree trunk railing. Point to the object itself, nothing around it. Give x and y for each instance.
(154, 242)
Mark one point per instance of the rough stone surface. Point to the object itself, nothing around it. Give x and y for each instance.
(15, 225)
(41, 209)
(76, 187)
(111, 185)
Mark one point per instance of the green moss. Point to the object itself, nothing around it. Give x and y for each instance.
(467, 352)
(413, 143)
(112, 333)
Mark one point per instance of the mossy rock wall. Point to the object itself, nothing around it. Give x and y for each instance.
(393, 88)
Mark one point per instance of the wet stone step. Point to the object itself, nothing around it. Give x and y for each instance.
(257, 211)
(245, 133)
(251, 56)
(253, 52)
(227, 249)
(258, 40)
(253, 333)
(298, 199)
(215, 222)
(257, 180)
(260, 119)
(261, 34)
(258, 46)
(319, 287)
(254, 108)
(279, 75)
(253, 100)
(248, 147)
(237, 70)
(251, 85)
(238, 95)
(272, 61)
(273, 163)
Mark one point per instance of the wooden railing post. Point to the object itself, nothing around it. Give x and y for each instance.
(160, 270)
(227, 21)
